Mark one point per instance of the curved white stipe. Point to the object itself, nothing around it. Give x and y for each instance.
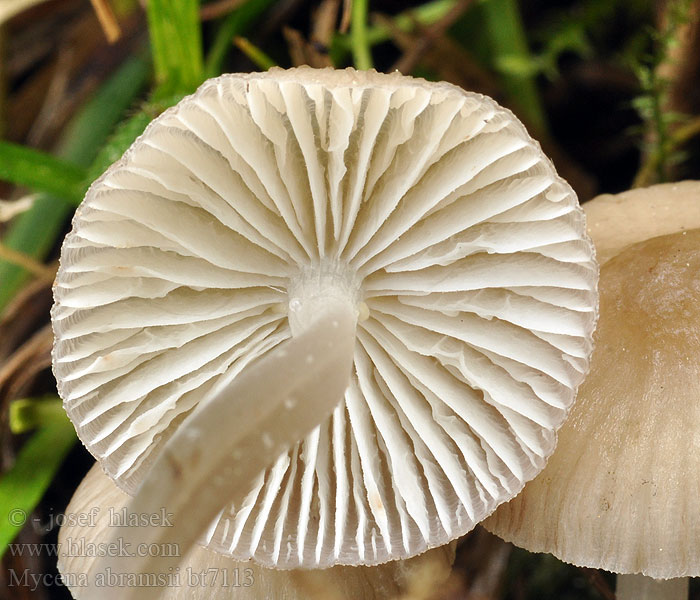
(219, 451)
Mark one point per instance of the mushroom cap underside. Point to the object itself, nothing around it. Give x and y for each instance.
(99, 506)
(261, 195)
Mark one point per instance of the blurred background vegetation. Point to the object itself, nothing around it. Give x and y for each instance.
(609, 87)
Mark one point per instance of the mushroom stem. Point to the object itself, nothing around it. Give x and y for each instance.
(215, 455)
(641, 587)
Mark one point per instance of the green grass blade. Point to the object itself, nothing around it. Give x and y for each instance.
(262, 60)
(176, 44)
(127, 132)
(32, 413)
(91, 127)
(23, 486)
(236, 23)
(361, 52)
(35, 232)
(42, 172)
(508, 42)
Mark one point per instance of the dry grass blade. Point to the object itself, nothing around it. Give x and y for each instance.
(295, 42)
(55, 96)
(449, 59)
(107, 19)
(11, 208)
(302, 52)
(345, 19)
(10, 8)
(23, 365)
(413, 56)
(27, 262)
(323, 25)
(28, 310)
(214, 10)
(74, 35)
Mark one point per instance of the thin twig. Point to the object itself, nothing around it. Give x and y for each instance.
(680, 136)
(53, 98)
(26, 262)
(214, 10)
(303, 53)
(277, 15)
(39, 344)
(107, 19)
(685, 132)
(346, 18)
(323, 24)
(295, 42)
(412, 57)
(449, 59)
(23, 314)
(255, 54)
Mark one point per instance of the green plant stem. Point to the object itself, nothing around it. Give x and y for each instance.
(507, 37)
(236, 23)
(361, 49)
(35, 231)
(660, 131)
(685, 133)
(22, 487)
(255, 54)
(426, 14)
(32, 413)
(649, 170)
(42, 172)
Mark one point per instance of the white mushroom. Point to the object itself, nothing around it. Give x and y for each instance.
(267, 205)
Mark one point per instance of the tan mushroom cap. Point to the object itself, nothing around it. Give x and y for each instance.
(621, 490)
(100, 499)
(618, 220)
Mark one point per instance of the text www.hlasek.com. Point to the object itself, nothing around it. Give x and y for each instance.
(173, 578)
(74, 547)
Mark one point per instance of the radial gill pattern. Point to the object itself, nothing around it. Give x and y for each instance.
(430, 207)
